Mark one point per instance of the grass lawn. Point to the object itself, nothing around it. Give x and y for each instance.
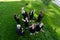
(8, 24)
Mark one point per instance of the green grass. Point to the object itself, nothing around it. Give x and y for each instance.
(8, 24)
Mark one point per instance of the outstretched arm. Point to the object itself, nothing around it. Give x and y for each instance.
(23, 20)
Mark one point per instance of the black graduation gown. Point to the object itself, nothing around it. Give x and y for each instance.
(19, 31)
(40, 18)
(38, 28)
(26, 24)
(25, 15)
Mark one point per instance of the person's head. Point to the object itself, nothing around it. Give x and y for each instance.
(22, 7)
(18, 26)
(26, 18)
(33, 24)
(15, 15)
(41, 23)
(41, 11)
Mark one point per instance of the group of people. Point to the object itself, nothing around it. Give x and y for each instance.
(33, 27)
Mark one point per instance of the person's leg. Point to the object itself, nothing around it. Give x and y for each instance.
(31, 33)
(42, 30)
(36, 31)
(26, 26)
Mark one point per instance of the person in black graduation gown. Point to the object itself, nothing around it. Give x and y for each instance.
(41, 15)
(16, 17)
(32, 29)
(39, 27)
(24, 13)
(26, 22)
(31, 13)
(20, 30)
